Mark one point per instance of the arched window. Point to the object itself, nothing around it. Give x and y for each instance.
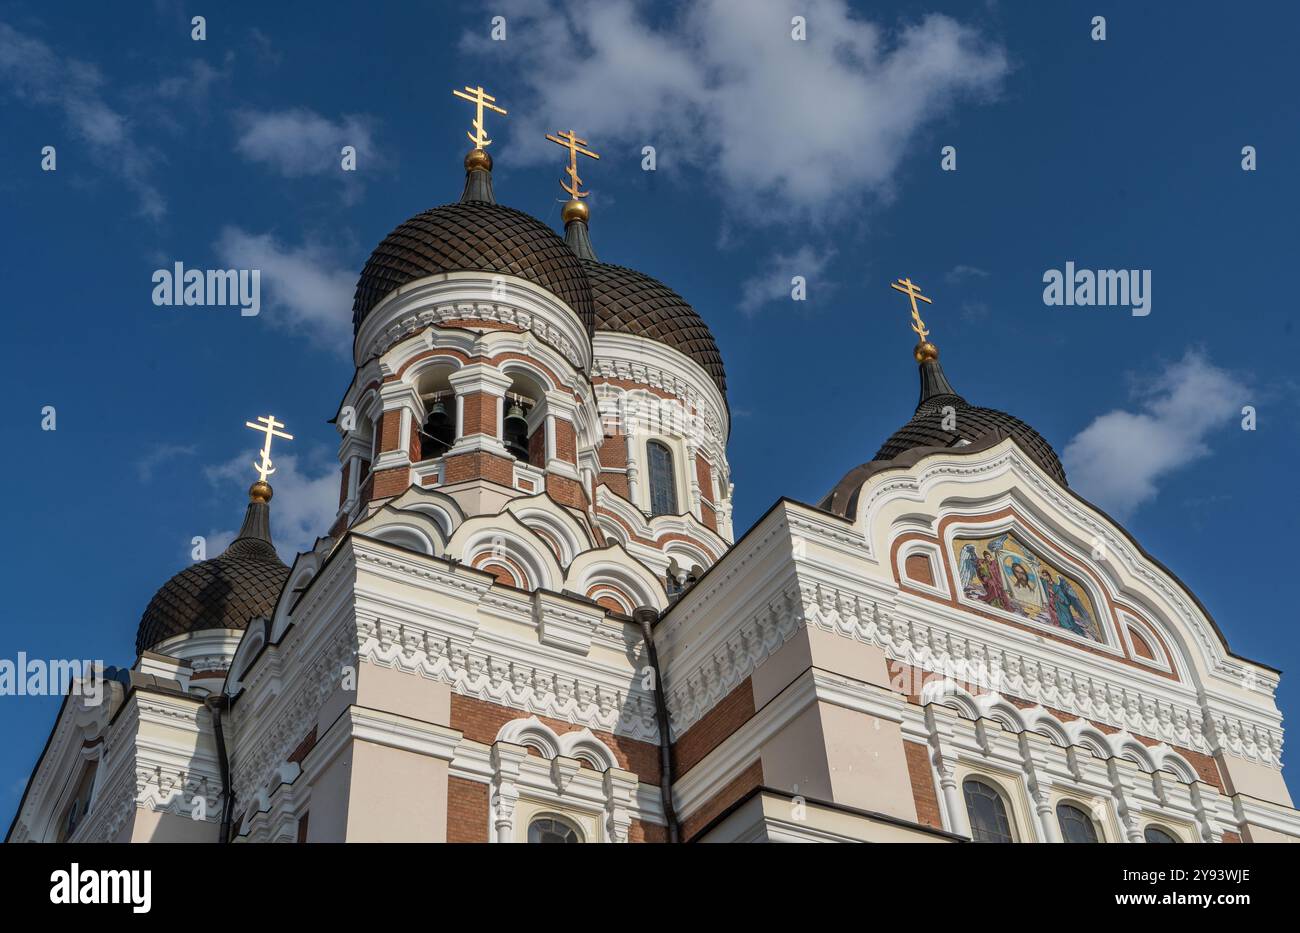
(988, 812)
(1156, 834)
(1076, 826)
(553, 829)
(79, 806)
(663, 482)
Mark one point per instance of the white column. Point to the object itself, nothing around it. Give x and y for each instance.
(1127, 817)
(620, 791)
(1039, 790)
(479, 377)
(944, 756)
(633, 469)
(505, 759)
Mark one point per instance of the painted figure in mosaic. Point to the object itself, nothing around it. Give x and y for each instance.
(994, 592)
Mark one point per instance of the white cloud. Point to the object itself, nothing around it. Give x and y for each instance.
(33, 72)
(960, 273)
(299, 142)
(302, 509)
(1118, 459)
(160, 454)
(307, 288)
(786, 127)
(774, 282)
(193, 83)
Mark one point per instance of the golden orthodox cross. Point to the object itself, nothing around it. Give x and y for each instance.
(268, 426)
(913, 292)
(481, 100)
(576, 148)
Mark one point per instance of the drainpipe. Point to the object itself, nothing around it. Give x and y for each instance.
(646, 617)
(215, 705)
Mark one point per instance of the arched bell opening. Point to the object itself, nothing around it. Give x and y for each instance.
(437, 424)
(523, 428)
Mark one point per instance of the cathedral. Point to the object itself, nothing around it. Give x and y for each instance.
(532, 619)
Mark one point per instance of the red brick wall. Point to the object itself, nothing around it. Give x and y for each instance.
(413, 447)
(748, 779)
(343, 486)
(537, 446)
(566, 491)
(480, 414)
(391, 431)
(613, 452)
(566, 441)
(1231, 837)
(918, 770)
(918, 568)
(717, 724)
(702, 475)
(617, 483)
(391, 482)
(480, 465)
(1140, 646)
(709, 517)
(467, 810)
(646, 832)
(480, 721)
(503, 574)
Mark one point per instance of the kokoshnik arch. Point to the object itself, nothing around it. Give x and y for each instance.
(531, 622)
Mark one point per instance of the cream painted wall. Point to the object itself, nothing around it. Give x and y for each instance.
(328, 816)
(410, 695)
(867, 762)
(152, 826)
(396, 796)
(794, 760)
(1253, 780)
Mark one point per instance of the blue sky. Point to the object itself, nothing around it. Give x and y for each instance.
(775, 158)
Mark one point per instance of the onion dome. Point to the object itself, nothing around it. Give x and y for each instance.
(474, 235)
(971, 424)
(241, 584)
(629, 302)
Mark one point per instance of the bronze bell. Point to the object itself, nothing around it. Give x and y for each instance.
(515, 430)
(438, 434)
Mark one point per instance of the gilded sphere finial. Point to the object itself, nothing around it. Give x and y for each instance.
(478, 159)
(925, 352)
(260, 491)
(575, 210)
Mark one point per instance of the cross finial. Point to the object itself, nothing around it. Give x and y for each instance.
(576, 148)
(913, 292)
(268, 426)
(481, 100)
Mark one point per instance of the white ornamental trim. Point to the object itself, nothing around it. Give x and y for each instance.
(936, 649)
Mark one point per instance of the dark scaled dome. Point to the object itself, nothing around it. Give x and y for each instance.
(630, 302)
(228, 591)
(474, 235)
(971, 424)
(925, 429)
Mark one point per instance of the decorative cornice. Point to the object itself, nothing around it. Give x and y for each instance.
(932, 647)
(488, 298)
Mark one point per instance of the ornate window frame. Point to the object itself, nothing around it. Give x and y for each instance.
(1130, 624)
(938, 566)
(573, 775)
